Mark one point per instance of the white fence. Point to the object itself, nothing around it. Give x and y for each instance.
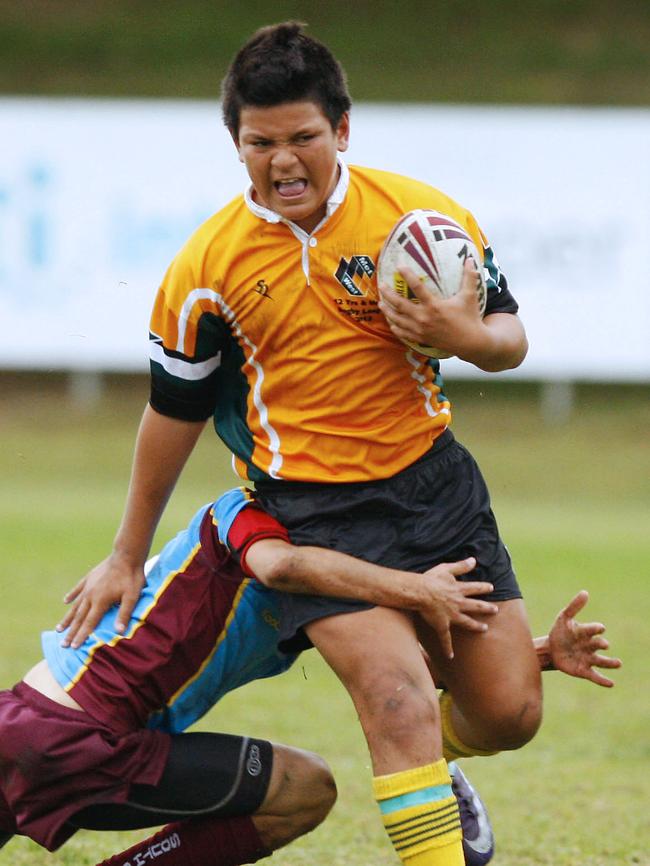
(97, 196)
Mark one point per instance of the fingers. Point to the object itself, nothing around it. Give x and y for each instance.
(599, 679)
(73, 622)
(416, 284)
(67, 619)
(590, 629)
(451, 570)
(466, 622)
(74, 592)
(607, 662)
(470, 278)
(475, 587)
(462, 567)
(575, 605)
(444, 636)
(402, 315)
(129, 601)
(87, 615)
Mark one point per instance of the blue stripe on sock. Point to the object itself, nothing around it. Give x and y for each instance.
(415, 798)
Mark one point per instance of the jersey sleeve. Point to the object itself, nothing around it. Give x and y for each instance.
(499, 299)
(186, 340)
(241, 521)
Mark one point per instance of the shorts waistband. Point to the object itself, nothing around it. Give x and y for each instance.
(443, 441)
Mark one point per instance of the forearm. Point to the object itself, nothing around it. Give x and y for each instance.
(162, 448)
(543, 651)
(498, 343)
(318, 571)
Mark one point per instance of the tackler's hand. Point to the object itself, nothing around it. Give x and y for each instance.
(573, 646)
(451, 602)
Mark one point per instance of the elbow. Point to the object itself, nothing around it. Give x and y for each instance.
(519, 353)
(508, 358)
(514, 358)
(505, 343)
(276, 569)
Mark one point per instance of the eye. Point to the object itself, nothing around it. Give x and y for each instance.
(261, 143)
(304, 138)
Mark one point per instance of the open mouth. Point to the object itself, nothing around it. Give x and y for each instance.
(293, 187)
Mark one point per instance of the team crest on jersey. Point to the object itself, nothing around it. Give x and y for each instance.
(351, 274)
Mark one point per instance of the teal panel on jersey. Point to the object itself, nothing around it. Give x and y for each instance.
(434, 363)
(230, 415)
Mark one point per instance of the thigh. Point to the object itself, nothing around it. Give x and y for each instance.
(364, 648)
(205, 774)
(492, 672)
(376, 655)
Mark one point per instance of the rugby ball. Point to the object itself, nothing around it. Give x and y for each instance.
(435, 247)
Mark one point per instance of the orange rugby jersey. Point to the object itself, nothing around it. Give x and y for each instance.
(278, 335)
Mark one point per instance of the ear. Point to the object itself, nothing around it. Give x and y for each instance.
(235, 141)
(343, 133)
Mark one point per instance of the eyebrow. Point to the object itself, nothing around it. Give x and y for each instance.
(253, 134)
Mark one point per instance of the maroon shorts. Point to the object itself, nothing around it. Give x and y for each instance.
(55, 761)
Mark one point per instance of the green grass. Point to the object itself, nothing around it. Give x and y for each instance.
(588, 52)
(574, 506)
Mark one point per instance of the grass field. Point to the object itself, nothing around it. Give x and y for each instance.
(574, 506)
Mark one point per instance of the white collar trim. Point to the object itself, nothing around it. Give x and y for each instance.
(337, 197)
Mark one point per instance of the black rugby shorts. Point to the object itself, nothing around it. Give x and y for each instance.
(436, 510)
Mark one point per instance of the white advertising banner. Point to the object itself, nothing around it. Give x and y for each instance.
(97, 196)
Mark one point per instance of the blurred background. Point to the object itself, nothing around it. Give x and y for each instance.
(536, 116)
(533, 115)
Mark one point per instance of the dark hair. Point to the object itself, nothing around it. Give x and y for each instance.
(279, 64)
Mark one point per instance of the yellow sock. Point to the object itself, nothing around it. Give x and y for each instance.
(420, 815)
(452, 746)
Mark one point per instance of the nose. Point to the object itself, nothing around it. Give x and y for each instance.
(284, 157)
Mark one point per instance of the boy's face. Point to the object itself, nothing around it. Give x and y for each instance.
(289, 151)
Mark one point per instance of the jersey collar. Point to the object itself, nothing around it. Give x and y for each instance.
(337, 197)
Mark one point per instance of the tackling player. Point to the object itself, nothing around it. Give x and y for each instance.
(92, 737)
(271, 320)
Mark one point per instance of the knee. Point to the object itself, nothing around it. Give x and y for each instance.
(301, 795)
(515, 722)
(395, 707)
(322, 791)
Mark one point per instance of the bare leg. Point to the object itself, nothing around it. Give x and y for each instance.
(376, 656)
(494, 679)
(301, 793)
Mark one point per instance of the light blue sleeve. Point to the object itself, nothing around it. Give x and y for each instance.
(226, 509)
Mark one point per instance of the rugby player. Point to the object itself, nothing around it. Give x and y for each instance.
(270, 319)
(92, 737)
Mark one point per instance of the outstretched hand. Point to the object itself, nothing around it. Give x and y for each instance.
(112, 582)
(573, 647)
(450, 602)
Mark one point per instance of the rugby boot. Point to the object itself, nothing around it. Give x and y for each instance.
(478, 838)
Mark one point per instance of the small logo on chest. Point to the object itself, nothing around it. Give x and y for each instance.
(262, 288)
(351, 274)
